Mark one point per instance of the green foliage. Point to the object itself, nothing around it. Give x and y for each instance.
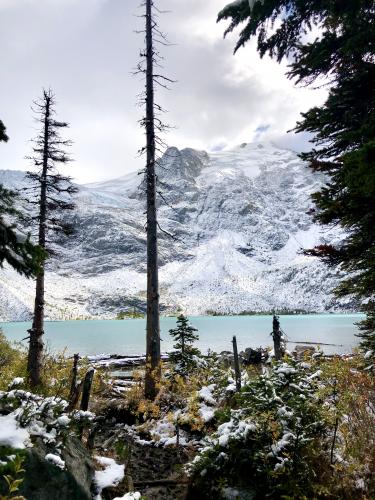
(14, 478)
(129, 315)
(3, 136)
(343, 128)
(349, 391)
(56, 373)
(16, 249)
(12, 361)
(184, 355)
(270, 445)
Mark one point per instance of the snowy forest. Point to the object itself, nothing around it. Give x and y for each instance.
(202, 327)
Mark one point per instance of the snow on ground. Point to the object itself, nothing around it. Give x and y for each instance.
(134, 495)
(111, 475)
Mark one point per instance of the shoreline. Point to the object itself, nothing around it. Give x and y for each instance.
(240, 315)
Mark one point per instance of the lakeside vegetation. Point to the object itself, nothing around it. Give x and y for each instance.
(303, 426)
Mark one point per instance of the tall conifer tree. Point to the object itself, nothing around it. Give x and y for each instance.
(343, 128)
(52, 191)
(153, 126)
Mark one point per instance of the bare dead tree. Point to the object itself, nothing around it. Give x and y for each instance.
(50, 191)
(153, 126)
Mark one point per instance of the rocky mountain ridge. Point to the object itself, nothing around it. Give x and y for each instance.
(238, 219)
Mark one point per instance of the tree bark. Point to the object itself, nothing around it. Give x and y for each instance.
(237, 370)
(153, 328)
(87, 383)
(73, 385)
(34, 362)
(276, 335)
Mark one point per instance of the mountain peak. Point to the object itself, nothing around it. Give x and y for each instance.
(239, 221)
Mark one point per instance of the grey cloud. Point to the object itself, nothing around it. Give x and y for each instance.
(86, 50)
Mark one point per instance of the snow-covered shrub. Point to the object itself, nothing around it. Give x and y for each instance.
(271, 440)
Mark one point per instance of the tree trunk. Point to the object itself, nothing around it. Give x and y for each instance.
(183, 344)
(87, 383)
(153, 328)
(73, 385)
(237, 370)
(276, 335)
(34, 362)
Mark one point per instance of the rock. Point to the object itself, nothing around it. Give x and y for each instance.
(301, 351)
(45, 481)
(252, 356)
(226, 357)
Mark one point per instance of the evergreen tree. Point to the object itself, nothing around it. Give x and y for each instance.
(51, 198)
(185, 336)
(3, 136)
(15, 248)
(343, 128)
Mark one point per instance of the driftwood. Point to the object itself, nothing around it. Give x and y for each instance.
(314, 343)
(159, 482)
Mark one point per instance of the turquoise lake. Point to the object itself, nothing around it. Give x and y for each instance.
(127, 337)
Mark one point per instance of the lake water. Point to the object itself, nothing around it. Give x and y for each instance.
(127, 337)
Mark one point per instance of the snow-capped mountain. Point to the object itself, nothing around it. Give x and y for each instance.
(239, 222)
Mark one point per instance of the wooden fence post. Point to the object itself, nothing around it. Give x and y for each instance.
(86, 389)
(236, 365)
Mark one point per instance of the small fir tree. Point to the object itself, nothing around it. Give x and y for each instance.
(183, 356)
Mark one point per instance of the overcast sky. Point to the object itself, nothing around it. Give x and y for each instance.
(86, 50)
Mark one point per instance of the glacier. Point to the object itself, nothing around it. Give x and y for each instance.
(239, 219)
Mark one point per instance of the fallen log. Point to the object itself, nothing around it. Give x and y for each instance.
(159, 482)
(314, 343)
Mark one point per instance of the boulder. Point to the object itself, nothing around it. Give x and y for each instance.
(302, 351)
(252, 356)
(45, 481)
(226, 357)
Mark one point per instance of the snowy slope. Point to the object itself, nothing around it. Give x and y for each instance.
(239, 221)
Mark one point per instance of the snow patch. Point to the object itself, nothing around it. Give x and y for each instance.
(55, 460)
(112, 474)
(11, 434)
